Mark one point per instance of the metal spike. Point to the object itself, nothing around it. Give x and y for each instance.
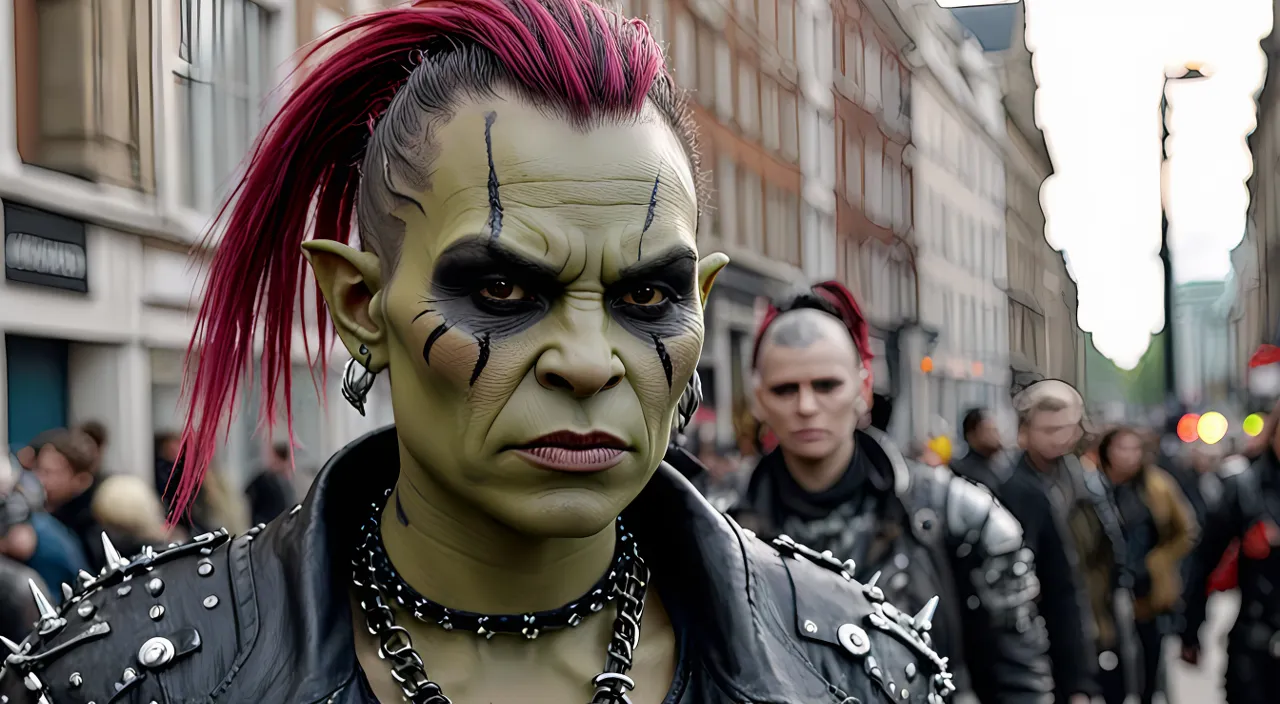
(114, 559)
(42, 602)
(924, 619)
(13, 647)
(67, 592)
(85, 577)
(874, 578)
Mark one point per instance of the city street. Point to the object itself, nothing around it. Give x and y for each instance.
(1203, 684)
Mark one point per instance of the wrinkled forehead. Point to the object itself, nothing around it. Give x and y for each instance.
(555, 183)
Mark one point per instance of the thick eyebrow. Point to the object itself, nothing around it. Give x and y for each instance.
(656, 266)
(480, 252)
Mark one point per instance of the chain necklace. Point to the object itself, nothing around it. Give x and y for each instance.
(375, 578)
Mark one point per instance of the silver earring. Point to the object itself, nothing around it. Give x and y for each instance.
(689, 402)
(357, 380)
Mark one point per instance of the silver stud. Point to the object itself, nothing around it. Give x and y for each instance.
(596, 606)
(129, 675)
(13, 647)
(911, 671)
(205, 568)
(124, 590)
(156, 612)
(810, 627)
(67, 592)
(210, 601)
(75, 680)
(86, 610)
(574, 620)
(850, 566)
(32, 682)
(905, 693)
(924, 619)
(85, 577)
(295, 509)
(156, 652)
(114, 559)
(47, 612)
(853, 639)
(155, 587)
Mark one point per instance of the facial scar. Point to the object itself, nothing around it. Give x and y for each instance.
(662, 355)
(431, 340)
(495, 201)
(482, 358)
(648, 216)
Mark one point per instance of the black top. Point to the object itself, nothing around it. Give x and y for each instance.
(266, 616)
(269, 495)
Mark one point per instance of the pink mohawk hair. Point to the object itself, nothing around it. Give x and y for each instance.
(303, 174)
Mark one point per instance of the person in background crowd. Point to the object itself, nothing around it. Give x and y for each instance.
(1047, 430)
(97, 432)
(1160, 530)
(1050, 430)
(271, 493)
(981, 462)
(218, 505)
(64, 464)
(33, 537)
(914, 531)
(167, 472)
(1248, 512)
(129, 510)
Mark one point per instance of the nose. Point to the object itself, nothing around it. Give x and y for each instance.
(807, 401)
(583, 363)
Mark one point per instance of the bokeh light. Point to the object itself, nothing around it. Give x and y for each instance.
(1187, 427)
(1212, 427)
(1252, 425)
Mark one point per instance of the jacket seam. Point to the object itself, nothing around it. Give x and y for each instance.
(240, 563)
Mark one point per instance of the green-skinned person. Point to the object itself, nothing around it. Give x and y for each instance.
(499, 201)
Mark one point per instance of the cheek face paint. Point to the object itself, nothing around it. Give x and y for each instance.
(665, 358)
(482, 358)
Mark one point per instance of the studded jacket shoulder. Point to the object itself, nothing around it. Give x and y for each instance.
(266, 617)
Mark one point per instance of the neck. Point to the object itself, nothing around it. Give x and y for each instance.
(491, 568)
(815, 475)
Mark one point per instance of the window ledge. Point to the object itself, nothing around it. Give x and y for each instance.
(99, 204)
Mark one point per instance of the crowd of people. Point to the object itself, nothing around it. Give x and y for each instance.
(65, 516)
(1101, 539)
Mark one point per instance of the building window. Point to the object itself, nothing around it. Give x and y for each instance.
(787, 29)
(768, 20)
(748, 97)
(746, 10)
(789, 126)
(707, 50)
(686, 51)
(853, 54)
(853, 168)
(751, 202)
(874, 174)
(724, 78)
(222, 76)
(727, 195)
(83, 87)
(871, 68)
(769, 103)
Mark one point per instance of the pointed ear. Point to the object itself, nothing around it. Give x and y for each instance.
(351, 282)
(708, 268)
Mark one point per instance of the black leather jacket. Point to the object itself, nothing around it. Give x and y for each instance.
(927, 531)
(265, 617)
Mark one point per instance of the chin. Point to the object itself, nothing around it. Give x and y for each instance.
(812, 451)
(561, 513)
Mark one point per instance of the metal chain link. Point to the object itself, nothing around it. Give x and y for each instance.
(396, 646)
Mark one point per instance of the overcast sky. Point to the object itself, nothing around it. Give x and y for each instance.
(1100, 65)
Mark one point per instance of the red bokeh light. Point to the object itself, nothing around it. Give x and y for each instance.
(1187, 427)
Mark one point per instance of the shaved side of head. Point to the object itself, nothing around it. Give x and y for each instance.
(806, 326)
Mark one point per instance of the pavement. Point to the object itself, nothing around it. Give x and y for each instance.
(1203, 684)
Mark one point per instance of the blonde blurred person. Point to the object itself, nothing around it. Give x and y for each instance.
(129, 511)
(220, 506)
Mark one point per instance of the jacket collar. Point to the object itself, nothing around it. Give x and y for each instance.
(696, 554)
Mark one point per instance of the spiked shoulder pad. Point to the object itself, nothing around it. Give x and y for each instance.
(116, 631)
(891, 651)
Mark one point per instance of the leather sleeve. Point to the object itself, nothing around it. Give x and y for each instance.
(1223, 522)
(157, 627)
(860, 645)
(1002, 585)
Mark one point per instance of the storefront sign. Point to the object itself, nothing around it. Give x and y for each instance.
(44, 249)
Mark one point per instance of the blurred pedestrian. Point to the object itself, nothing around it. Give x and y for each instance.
(33, 537)
(933, 542)
(97, 432)
(1159, 529)
(64, 464)
(271, 493)
(982, 462)
(1249, 513)
(129, 510)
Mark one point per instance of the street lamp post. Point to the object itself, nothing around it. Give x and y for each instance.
(1166, 259)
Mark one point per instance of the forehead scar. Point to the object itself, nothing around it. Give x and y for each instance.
(495, 201)
(648, 216)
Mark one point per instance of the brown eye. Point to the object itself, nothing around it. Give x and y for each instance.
(644, 296)
(501, 290)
